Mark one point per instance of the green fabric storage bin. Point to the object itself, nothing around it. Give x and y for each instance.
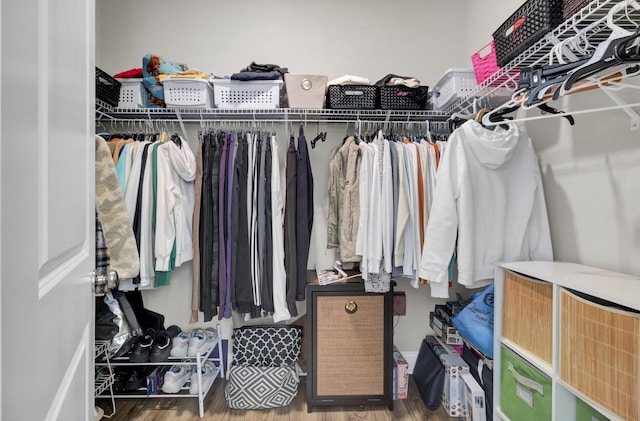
(525, 392)
(584, 412)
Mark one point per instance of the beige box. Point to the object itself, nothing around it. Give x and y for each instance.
(305, 91)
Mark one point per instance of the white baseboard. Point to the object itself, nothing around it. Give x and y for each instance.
(411, 357)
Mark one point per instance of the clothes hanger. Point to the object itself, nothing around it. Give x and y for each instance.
(619, 53)
(480, 114)
(604, 52)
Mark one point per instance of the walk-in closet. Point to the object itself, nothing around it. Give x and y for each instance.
(419, 210)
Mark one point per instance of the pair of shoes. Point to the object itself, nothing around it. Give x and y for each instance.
(142, 348)
(137, 379)
(175, 378)
(198, 341)
(207, 373)
(129, 378)
(180, 344)
(201, 341)
(154, 346)
(161, 349)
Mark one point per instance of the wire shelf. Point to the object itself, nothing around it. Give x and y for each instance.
(106, 113)
(592, 19)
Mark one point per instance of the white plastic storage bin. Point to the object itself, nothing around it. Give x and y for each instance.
(133, 94)
(187, 93)
(256, 94)
(454, 84)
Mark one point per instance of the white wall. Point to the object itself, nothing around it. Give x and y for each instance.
(484, 18)
(333, 37)
(591, 171)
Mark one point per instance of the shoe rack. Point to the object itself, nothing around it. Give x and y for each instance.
(213, 354)
(104, 375)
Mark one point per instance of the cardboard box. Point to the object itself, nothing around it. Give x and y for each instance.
(444, 330)
(402, 389)
(441, 310)
(453, 398)
(474, 399)
(448, 348)
(452, 339)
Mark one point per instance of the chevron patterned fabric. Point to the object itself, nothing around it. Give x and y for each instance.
(260, 387)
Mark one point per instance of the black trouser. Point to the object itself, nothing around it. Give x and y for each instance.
(290, 258)
(222, 222)
(267, 279)
(304, 214)
(209, 227)
(243, 292)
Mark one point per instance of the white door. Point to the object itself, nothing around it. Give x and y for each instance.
(46, 209)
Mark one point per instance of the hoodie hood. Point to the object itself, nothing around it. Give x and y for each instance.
(182, 160)
(492, 149)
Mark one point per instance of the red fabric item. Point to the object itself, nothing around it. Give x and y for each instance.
(131, 73)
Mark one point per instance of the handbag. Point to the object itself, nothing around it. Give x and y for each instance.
(475, 321)
(429, 374)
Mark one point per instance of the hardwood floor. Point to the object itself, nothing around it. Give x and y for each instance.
(216, 409)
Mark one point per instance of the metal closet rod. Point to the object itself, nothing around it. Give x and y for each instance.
(247, 122)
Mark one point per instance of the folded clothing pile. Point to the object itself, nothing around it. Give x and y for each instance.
(395, 80)
(256, 71)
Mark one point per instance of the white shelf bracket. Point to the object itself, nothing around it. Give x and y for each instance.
(635, 118)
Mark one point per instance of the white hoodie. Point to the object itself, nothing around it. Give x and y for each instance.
(174, 205)
(489, 193)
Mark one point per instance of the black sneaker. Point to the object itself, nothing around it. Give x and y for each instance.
(161, 348)
(142, 349)
(173, 331)
(137, 379)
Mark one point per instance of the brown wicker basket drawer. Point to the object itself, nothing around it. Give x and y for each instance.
(527, 316)
(600, 353)
(350, 353)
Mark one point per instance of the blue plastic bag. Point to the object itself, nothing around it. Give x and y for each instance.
(475, 321)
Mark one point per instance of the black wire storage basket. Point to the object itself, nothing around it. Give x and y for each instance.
(525, 26)
(399, 97)
(107, 88)
(355, 97)
(571, 7)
